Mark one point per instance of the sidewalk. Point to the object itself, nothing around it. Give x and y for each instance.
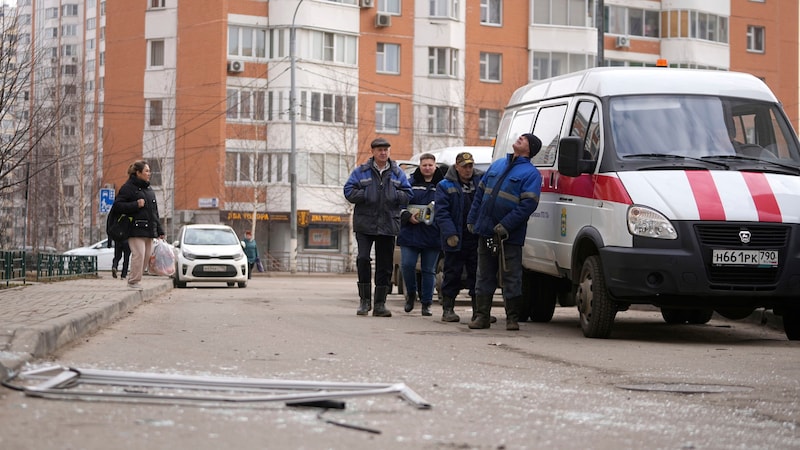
(37, 319)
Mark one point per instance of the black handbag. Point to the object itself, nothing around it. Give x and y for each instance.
(120, 229)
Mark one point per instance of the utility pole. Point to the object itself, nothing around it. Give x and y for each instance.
(293, 152)
(600, 22)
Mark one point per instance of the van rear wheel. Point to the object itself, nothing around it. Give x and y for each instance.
(596, 308)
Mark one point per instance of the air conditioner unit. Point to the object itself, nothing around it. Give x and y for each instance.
(623, 42)
(235, 66)
(366, 3)
(383, 20)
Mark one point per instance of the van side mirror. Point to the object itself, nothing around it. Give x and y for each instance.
(570, 151)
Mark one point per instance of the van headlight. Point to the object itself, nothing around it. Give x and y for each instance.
(646, 222)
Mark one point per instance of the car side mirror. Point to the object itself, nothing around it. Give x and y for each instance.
(176, 244)
(570, 163)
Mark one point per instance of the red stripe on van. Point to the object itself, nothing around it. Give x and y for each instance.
(763, 197)
(597, 187)
(706, 196)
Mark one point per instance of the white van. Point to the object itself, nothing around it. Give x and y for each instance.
(677, 188)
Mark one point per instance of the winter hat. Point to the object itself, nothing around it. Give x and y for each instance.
(534, 143)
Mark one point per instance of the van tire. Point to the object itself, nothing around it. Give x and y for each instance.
(697, 316)
(596, 308)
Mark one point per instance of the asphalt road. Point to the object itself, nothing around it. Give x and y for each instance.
(723, 385)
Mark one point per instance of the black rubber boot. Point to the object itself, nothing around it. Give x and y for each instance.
(365, 294)
(426, 310)
(380, 302)
(448, 310)
(492, 319)
(512, 313)
(411, 298)
(482, 316)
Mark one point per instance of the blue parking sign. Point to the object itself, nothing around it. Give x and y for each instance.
(106, 200)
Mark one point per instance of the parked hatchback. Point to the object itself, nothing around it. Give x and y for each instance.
(209, 253)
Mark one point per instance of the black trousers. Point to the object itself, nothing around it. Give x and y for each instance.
(384, 257)
(122, 251)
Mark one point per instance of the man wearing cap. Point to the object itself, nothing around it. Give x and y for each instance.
(506, 197)
(379, 189)
(452, 203)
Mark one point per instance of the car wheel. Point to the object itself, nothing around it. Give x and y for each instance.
(699, 316)
(596, 308)
(231, 284)
(673, 315)
(176, 283)
(242, 284)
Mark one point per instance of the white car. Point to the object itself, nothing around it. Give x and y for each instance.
(209, 253)
(100, 249)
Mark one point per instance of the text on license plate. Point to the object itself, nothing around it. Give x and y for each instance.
(215, 269)
(761, 258)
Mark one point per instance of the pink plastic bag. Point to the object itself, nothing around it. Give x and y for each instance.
(162, 261)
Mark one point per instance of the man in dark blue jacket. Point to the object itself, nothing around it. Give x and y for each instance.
(507, 195)
(379, 189)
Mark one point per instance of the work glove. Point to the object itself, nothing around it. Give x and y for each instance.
(471, 228)
(500, 230)
(452, 241)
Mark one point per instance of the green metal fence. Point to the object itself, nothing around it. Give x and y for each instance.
(48, 266)
(12, 266)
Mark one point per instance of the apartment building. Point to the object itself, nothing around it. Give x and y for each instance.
(203, 89)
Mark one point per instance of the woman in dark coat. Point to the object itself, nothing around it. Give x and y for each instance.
(137, 200)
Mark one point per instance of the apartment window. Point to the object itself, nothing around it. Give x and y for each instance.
(51, 32)
(322, 169)
(247, 41)
(694, 24)
(488, 121)
(245, 104)
(632, 21)
(551, 64)
(90, 44)
(70, 89)
(243, 165)
(389, 6)
(574, 13)
(158, 4)
(491, 64)
(156, 172)
(333, 47)
(442, 120)
(69, 30)
(444, 8)
(387, 117)
(69, 10)
(69, 130)
(91, 23)
(330, 108)
(443, 61)
(388, 58)
(277, 167)
(277, 43)
(69, 50)
(155, 113)
(156, 53)
(51, 13)
(491, 12)
(70, 69)
(755, 39)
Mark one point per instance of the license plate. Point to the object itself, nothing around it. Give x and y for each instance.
(752, 258)
(215, 268)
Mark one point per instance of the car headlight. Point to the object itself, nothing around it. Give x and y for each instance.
(647, 222)
(238, 256)
(189, 255)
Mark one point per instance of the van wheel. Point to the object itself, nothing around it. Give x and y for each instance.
(539, 297)
(597, 310)
(697, 316)
(791, 324)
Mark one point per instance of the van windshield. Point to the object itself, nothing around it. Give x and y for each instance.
(700, 126)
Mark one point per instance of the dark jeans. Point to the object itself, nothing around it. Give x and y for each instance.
(454, 265)
(488, 266)
(122, 251)
(384, 256)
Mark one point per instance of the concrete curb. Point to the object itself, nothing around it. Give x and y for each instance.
(40, 340)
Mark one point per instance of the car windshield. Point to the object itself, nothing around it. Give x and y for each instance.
(209, 236)
(700, 126)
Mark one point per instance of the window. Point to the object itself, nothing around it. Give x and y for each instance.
(388, 58)
(158, 4)
(694, 24)
(442, 120)
(90, 44)
(69, 50)
(389, 6)
(334, 47)
(551, 64)
(156, 172)
(443, 61)
(322, 237)
(586, 126)
(51, 32)
(491, 12)
(387, 117)
(156, 53)
(69, 10)
(155, 113)
(547, 127)
(755, 39)
(278, 46)
(69, 30)
(70, 89)
(322, 168)
(51, 13)
(491, 64)
(245, 104)
(574, 13)
(90, 23)
(245, 166)
(488, 121)
(444, 8)
(70, 69)
(69, 130)
(247, 41)
(330, 108)
(632, 21)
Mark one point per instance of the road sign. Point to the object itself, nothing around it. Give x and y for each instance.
(106, 200)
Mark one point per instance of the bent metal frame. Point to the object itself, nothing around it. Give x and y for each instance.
(59, 382)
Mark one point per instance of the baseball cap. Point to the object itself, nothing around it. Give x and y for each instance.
(464, 158)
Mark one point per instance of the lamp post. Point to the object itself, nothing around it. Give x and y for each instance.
(293, 149)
